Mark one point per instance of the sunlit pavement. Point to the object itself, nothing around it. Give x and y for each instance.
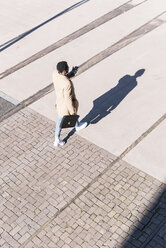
(106, 186)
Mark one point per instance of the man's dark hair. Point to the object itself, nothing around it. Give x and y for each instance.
(62, 66)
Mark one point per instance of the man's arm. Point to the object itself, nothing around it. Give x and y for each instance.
(73, 72)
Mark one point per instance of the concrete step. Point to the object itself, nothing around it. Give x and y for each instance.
(102, 37)
(17, 17)
(55, 30)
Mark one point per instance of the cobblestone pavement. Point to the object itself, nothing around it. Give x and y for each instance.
(75, 196)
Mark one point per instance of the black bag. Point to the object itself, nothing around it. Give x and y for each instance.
(69, 121)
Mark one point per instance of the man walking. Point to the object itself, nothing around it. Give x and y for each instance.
(66, 102)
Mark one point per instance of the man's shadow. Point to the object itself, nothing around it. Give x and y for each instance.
(103, 105)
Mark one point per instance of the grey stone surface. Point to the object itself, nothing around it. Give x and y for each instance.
(49, 197)
(81, 195)
(5, 106)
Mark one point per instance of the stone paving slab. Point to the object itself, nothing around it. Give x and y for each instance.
(54, 30)
(74, 35)
(30, 13)
(154, 155)
(30, 79)
(47, 198)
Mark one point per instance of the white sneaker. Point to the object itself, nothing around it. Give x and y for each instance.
(81, 125)
(59, 142)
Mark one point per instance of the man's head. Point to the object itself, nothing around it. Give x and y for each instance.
(139, 73)
(62, 67)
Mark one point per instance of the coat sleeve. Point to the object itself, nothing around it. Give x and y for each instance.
(68, 99)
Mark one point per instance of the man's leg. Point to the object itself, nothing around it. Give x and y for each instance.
(58, 132)
(80, 125)
(58, 129)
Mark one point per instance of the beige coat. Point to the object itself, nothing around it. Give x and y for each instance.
(66, 102)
